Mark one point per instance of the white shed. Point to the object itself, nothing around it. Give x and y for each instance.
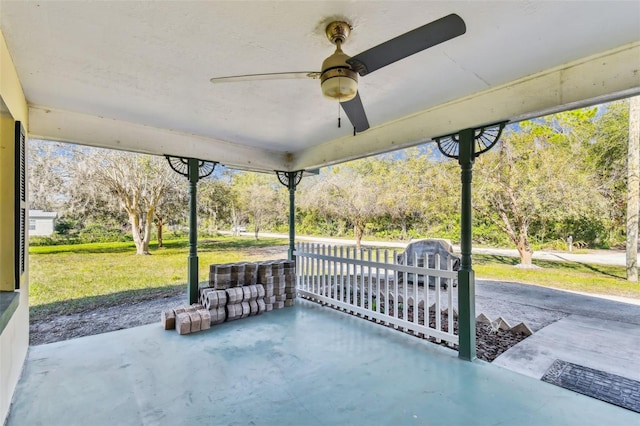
(41, 223)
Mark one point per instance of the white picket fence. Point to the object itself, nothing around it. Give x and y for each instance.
(370, 284)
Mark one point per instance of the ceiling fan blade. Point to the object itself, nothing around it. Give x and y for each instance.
(355, 113)
(270, 76)
(407, 44)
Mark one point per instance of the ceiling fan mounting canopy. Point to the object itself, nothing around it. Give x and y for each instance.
(338, 32)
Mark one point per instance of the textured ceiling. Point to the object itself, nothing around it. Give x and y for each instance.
(135, 75)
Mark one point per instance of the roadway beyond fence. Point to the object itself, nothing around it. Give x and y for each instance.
(600, 257)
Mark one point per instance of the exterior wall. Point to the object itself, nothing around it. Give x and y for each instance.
(41, 224)
(44, 227)
(14, 340)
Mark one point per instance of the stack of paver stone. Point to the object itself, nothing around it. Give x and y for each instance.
(236, 306)
(279, 284)
(236, 291)
(237, 275)
(265, 278)
(254, 295)
(220, 276)
(251, 273)
(215, 301)
(186, 319)
(289, 271)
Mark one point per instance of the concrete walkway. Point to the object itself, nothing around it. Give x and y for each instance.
(610, 346)
(584, 330)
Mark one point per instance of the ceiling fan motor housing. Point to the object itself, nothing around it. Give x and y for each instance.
(338, 80)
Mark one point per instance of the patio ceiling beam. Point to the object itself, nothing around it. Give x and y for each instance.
(86, 129)
(600, 78)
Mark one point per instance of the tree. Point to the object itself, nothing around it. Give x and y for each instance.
(400, 189)
(216, 201)
(55, 185)
(438, 185)
(346, 192)
(633, 189)
(416, 190)
(607, 155)
(536, 176)
(47, 175)
(259, 195)
(172, 204)
(137, 182)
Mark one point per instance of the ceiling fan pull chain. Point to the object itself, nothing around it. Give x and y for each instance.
(338, 115)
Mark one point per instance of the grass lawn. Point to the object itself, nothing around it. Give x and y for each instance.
(574, 276)
(87, 275)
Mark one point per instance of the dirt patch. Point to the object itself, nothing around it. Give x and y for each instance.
(117, 312)
(130, 313)
(269, 252)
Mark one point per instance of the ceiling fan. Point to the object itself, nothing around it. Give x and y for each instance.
(339, 74)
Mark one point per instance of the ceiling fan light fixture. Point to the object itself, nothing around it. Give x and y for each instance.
(340, 84)
(338, 80)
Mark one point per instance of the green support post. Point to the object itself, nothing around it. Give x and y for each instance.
(193, 282)
(465, 146)
(292, 220)
(466, 276)
(291, 181)
(193, 169)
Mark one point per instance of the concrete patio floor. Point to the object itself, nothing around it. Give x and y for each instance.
(306, 365)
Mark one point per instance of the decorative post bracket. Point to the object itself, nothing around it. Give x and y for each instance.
(465, 146)
(291, 181)
(194, 170)
(484, 139)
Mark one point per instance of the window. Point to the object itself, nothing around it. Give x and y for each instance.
(32, 224)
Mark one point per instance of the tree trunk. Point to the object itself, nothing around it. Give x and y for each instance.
(520, 239)
(526, 256)
(358, 230)
(403, 223)
(213, 223)
(148, 222)
(633, 188)
(525, 251)
(138, 235)
(159, 227)
(235, 221)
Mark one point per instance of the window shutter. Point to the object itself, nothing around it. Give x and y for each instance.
(21, 201)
